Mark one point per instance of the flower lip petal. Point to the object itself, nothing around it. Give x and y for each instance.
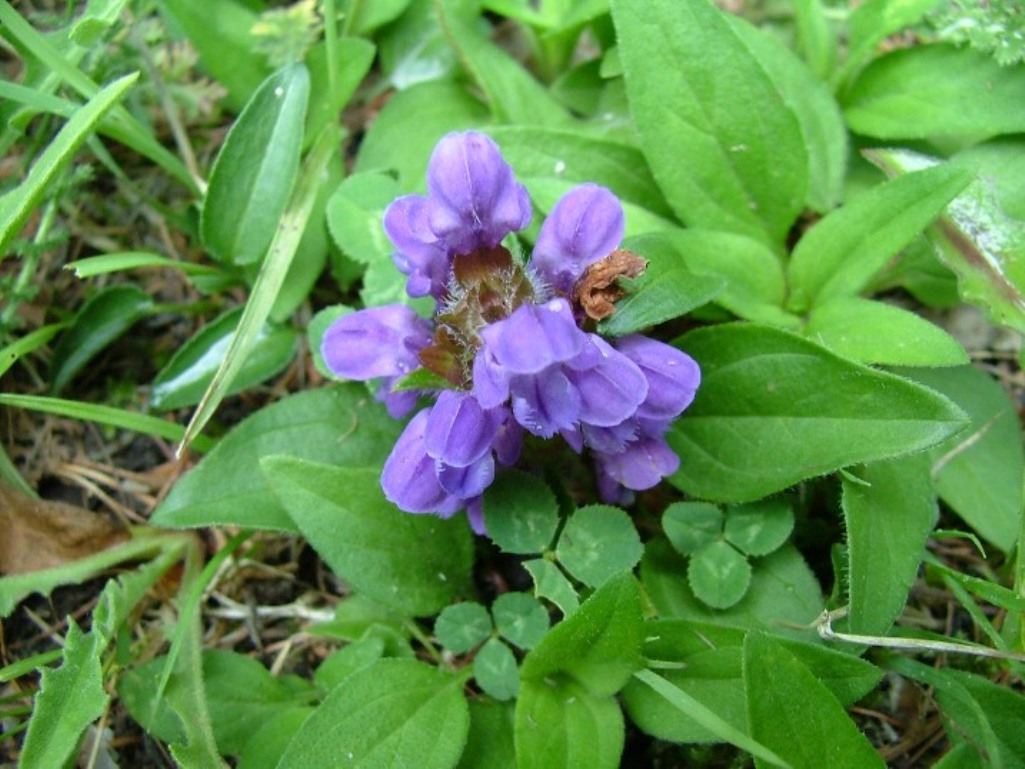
(673, 376)
(535, 337)
(458, 431)
(474, 200)
(585, 225)
(376, 342)
(611, 391)
(409, 478)
(642, 464)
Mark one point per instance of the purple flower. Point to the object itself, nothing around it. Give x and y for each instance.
(506, 340)
(472, 202)
(585, 225)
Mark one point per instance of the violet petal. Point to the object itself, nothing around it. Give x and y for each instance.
(376, 342)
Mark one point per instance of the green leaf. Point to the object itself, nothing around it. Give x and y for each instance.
(462, 627)
(267, 288)
(871, 22)
(330, 93)
(578, 156)
(494, 668)
(414, 563)
(980, 473)
(665, 290)
(551, 583)
(597, 543)
(435, 108)
(222, 34)
(691, 526)
(366, 17)
(920, 92)
(754, 287)
(266, 746)
(256, 169)
(345, 661)
(511, 91)
(774, 409)
(759, 528)
(520, 513)
(784, 592)
(91, 266)
(793, 714)
(889, 510)
(562, 724)
(187, 375)
(72, 696)
(878, 333)
(520, 619)
(338, 425)
(816, 110)
(391, 713)
(719, 575)
(104, 318)
(598, 646)
(490, 742)
(18, 204)
(844, 250)
(977, 240)
(723, 145)
(704, 661)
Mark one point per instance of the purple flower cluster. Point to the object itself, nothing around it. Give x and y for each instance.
(506, 346)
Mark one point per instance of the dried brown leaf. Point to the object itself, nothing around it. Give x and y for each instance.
(40, 534)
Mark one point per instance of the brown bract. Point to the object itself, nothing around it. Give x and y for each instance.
(597, 290)
(40, 534)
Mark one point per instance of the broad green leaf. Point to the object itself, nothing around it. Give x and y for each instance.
(980, 472)
(551, 583)
(704, 661)
(18, 204)
(520, 513)
(719, 575)
(721, 142)
(490, 742)
(816, 42)
(755, 286)
(222, 33)
(186, 376)
(494, 668)
(976, 239)
(339, 425)
(774, 409)
(392, 713)
(759, 528)
(691, 526)
(814, 107)
(889, 510)
(345, 661)
(254, 173)
(598, 542)
(666, 290)
(511, 91)
(562, 724)
(840, 254)
(104, 318)
(435, 108)
(266, 746)
(793, 714)
(921, 91)
(576, 156)
(784, 593)
(598, 646)
(878, 333)
(520, 619)
(416, 564)
(462, 627)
